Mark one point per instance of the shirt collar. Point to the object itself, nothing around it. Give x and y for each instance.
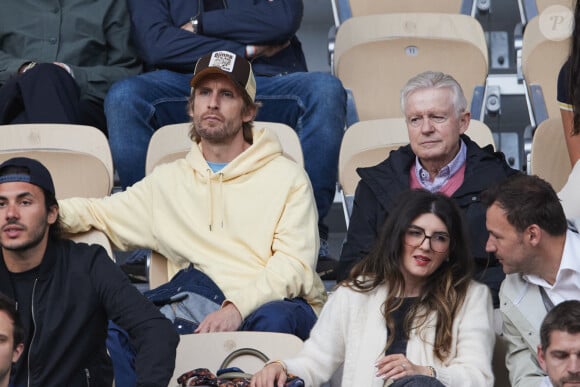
(444, 174)
(570, 261)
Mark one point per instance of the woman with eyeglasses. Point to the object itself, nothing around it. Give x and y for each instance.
(408, 315)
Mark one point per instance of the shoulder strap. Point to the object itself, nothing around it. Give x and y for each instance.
(548, 304)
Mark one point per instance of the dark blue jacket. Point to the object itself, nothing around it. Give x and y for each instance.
(77, 290)
(164, 45)
(380, 186)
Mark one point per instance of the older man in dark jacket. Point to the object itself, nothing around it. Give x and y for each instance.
(440, 158)
(66, 293)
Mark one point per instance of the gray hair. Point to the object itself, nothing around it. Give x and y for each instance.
(437, 80)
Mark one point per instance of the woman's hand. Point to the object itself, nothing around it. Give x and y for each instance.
(397, 366)
(269, 375)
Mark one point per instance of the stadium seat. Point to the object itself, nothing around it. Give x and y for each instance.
(208, 350)
(77, 156)
(542, 59)
(368, 143)
(549, 155)
(91, 237)
(345, 9)
(533, 8)
(172, 142)
(375, 55)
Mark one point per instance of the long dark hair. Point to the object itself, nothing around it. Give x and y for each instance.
(445, 289)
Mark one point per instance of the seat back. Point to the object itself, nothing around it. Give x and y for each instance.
(208, 350)
(542, 59)
(374, 7)
(549, 155)
(543, 4)
(78, 157)
(376, 55)
(171, 142)
(91, 237)
(367, 143)
(160, 269)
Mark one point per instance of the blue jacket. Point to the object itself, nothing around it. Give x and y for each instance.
(164, 45)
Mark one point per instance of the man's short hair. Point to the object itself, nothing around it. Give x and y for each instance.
(437, 80)
(563, 317)
(8, 306)
(527, 200)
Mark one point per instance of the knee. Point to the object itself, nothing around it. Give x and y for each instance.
(123, 92)
(294, 317)
(48, 73)
(327, 86)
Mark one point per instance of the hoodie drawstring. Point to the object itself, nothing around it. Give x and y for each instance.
(221, 199)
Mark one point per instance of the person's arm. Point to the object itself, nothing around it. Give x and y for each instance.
(471, 364)
(162, 42)
(152, 335)
(572, 141)
(290, 271)
(362, 229)
(566, 104)
(521, 362)
(124, 217)
(121, 59)
(324, 350)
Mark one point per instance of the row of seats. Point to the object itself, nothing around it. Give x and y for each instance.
(80, 161)
(377, 48)
(375, 54)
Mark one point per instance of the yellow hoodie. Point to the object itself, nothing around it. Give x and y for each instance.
(252, 227)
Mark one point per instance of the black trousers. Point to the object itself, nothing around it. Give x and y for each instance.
(48, 94)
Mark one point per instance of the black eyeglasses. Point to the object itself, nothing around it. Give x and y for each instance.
(439, 241)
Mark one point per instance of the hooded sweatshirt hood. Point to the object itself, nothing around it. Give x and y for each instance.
(265, 148)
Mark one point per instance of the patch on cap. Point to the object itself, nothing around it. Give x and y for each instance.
(223, 59)
(238, 69)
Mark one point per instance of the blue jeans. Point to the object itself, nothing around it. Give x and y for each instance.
(314, 104)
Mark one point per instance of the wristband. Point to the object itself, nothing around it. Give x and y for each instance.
(250, 51)
(27, 67)
(433, 372)
(194, 24)
(280, 363)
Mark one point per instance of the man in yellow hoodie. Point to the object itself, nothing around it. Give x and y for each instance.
(234, 207)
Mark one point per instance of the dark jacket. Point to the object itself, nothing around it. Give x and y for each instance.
(164, 45)
(77, 290)
(380, 186)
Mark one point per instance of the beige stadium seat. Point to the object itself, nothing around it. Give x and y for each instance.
(375, 55)
(172, 142)
(374, 7)
(208, 350)
(549, 155)
(91, 237)
(367, 143)
(543, 4)
(542, 59)
(78, 157)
